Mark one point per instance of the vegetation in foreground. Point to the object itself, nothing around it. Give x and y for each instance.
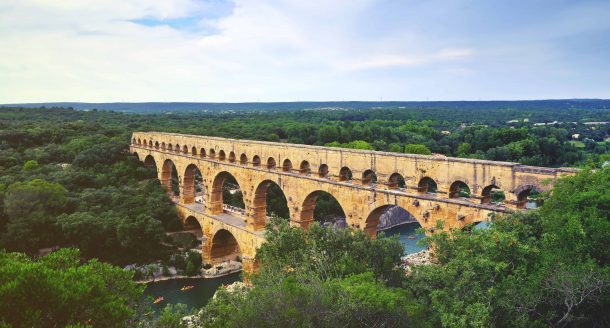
(66, 181)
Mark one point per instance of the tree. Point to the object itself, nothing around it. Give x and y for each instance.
(31, 208)
(57, 290)
(541, 268)
(323, 277)
(417, 149)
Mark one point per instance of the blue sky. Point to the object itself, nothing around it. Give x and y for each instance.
(252, 50)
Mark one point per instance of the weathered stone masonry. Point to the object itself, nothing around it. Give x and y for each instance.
(303, 171)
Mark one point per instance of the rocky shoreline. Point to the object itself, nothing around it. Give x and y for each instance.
(420, 258)
(218, 270)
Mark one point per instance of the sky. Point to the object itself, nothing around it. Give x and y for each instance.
(295, 50)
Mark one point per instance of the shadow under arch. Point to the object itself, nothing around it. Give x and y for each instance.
(192, 184)
(224, 247)
(269, 199)
(523, 194)
(369, 177)
(149, 162)
(192, 225)
(396, 181)
(322, 207)
(345, 174)
(226, 191)
(459, 189)
(385, 217)
(492, 193)
(169, 178)
(427, 185)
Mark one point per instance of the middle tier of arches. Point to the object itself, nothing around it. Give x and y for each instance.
(299, 187)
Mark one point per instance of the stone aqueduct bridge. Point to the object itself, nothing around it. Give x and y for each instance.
(365, 183)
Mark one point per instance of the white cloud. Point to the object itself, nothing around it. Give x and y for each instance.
(95, 50)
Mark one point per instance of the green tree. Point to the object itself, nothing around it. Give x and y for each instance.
(57, 290)
(417, 149)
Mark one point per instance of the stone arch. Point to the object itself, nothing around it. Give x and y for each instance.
(192, 184)
(323, 171)
(523, 192)
(271, 163)
(261, 201)
(150, 144)
(140, 142)
(221, 155)
(308, 208)
(212, 153)
(492, 193)
(256, 160)
(396, 181)
(374, 219)
(169, 177)
(150, 162)
(220, 190)
(243, 159)
(134, 142)
(232, 157)
(185, 149)
(170, 147)
(224, 247)
(459, 189)
(156, 145)
(427, 185)
(194, 151)
(192, 225)
(136, 155)
(305, 168)
(202, 152)
(177, 148)
(287, 165)
(369, 177)
(345, 174)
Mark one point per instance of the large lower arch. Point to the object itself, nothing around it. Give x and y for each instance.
(192, 184)
(226, 191)
(224, 247)
(269, 199)
(386, 216)
(150, 162)
(192, 225)
(169, 178)
(322, 207)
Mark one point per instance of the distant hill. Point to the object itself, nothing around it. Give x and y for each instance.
(190, 107)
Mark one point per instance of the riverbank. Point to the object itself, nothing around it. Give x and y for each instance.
(216, 271)
(396, 225)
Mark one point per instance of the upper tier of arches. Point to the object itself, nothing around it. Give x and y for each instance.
(376, 176)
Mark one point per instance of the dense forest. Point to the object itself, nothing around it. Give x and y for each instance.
(68, 181)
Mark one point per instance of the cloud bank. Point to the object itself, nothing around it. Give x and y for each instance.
(254, 50)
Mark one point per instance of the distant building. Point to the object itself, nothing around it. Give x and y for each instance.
(576, 136)
(445, 132)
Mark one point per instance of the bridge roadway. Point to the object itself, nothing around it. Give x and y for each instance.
(365, 183)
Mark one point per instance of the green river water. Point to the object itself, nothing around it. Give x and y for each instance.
(204, 289)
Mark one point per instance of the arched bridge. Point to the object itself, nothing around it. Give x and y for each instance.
(456, 191)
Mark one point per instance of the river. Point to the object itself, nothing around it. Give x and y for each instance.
(204, 289)
(407, 236)
(196, 297)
